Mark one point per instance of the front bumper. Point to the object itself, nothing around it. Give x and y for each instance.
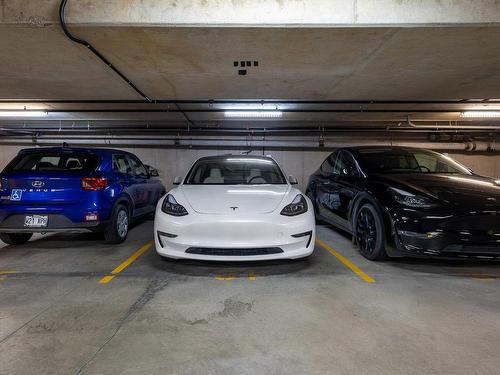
(234, 237)
(473, 235)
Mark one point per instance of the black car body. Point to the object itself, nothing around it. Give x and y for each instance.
(419, 203)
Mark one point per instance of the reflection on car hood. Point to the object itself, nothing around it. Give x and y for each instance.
(221, 199)
(452, 189)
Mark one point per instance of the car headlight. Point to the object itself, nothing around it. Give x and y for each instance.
(171, 207)
(297, 207)
(411, 200)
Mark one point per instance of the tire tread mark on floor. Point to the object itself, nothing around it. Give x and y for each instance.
(153, 287)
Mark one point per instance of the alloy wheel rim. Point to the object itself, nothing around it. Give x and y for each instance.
(366, 232)
(122, 224)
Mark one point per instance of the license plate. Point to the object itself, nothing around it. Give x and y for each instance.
(36, 221)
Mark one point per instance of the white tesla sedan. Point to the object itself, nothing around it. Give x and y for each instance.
(235, 208)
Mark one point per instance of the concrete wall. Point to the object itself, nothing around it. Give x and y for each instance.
(176, 162)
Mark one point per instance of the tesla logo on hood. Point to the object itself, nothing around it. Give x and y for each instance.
(233, 208)
(37, 184)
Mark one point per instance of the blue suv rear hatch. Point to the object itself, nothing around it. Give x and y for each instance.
(48, 182)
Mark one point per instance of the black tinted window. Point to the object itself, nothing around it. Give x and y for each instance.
(138, 169)
(346, 165)
(328, 164)
(53, 161)
(120, 164)
(408, 161)
(235, 171)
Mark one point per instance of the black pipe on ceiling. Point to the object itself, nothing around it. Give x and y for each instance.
(62, 14)
(147, 99)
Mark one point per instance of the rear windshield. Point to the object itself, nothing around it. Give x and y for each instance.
(235, 171)
(53, 162)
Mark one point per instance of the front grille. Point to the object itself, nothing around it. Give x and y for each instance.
(234, 252)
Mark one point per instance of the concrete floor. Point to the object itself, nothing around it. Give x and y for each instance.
(302, 317)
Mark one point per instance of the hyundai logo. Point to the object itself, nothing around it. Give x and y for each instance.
(38, 184)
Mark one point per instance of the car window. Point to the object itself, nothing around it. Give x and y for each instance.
(53, 161)
(390, 160)
(235, 171)
(347, 165)
(328, 164)
(338, 165)
(120, 164)
(138, 169)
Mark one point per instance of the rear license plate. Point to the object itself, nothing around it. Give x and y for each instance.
(36, 221)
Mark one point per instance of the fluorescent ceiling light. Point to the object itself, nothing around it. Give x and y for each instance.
(23, 113)
(480, 114)
(253, 114)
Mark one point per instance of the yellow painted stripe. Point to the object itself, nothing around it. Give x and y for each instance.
(354, 268)
(131, 259)
(106, 279)
(252, 276)
(225, 278)
(7, 272)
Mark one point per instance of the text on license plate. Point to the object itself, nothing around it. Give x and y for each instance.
(36, 221)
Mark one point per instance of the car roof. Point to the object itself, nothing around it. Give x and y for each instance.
(232, 156)
(74, 149)
(382, 147)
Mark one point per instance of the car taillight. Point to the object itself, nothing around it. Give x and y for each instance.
(94, 183)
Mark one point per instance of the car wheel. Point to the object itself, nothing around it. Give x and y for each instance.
(15, 238)
(117, 230)
(369, 233)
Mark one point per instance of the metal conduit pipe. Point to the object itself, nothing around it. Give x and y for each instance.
(244, 143)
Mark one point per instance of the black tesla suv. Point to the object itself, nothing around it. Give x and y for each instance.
(399, 201)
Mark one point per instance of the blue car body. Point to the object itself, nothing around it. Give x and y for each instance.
(73, 189)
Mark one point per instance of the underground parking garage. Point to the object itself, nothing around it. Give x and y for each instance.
(232, 187)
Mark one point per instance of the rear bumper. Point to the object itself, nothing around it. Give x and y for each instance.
(56, 223)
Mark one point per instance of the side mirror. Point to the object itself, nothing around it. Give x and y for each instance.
(177, 180)
(292, 180)
(153, 172)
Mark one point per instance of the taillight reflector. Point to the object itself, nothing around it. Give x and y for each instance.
(94, 183)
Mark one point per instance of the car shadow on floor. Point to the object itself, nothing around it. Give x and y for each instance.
(231, 269)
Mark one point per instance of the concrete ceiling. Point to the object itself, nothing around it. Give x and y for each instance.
(294, 63)
(306, 50)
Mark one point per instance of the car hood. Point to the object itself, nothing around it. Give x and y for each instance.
(221, 199)
(457, 190)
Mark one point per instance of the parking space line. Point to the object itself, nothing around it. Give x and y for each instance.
(354, 268)
(225, 278)
(131, 259)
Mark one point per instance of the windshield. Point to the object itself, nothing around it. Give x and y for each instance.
(235, 171)
(408, 161)
(53, 161)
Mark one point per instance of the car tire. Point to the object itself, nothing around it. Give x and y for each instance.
(15, 238)
(370, 233)
(117, 230)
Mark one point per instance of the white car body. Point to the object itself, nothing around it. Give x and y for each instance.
(235, 223)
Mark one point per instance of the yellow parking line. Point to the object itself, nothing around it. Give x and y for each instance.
(252, 276)
(354, 268)
(126, 263)
(7, 272)
(225, 278)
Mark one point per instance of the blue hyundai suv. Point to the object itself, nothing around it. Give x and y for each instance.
(65, 189)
